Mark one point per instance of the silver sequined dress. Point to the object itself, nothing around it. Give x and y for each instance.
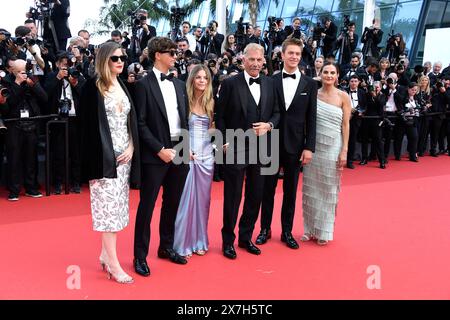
(321, 178)
(110, 197)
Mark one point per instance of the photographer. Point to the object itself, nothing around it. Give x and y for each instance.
(58, 21)
(328, 36)
(145, 31)
(79, 57)
(295, 31)
(184, 54)
(358, 100)
(439, 101)
(64, 89)
(4, 94)
(21, 137)
(436, 74)
(347, 41)
(371, 38)
(424, 98)
(394, 105)
(400, 70)
(372, 129)
(409, 119)
(353, 68)
(29, 49)
(395, 47)
(185, 31)
(229, 45)
(212, 40)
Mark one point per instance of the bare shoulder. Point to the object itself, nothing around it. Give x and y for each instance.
(345, 98)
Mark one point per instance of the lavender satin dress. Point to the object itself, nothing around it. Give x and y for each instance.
(191, 225)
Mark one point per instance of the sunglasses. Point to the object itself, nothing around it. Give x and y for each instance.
(172, 52)
(116, 58)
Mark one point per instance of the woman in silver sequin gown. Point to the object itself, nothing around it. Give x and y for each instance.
(191, 226)
(322, 176)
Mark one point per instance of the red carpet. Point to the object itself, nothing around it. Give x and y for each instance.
(397, 219)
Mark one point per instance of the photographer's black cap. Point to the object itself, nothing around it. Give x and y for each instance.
(60, 55)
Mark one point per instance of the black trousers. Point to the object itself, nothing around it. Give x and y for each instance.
(424, 131)
(372, 131)
(389, 133)
(444, 132)
(21, 154)
(233, 176)
(2, 153)
(355, 125)
(57, 147)
(291, 166)
(172, 179)
(412, 135)
(435, 129)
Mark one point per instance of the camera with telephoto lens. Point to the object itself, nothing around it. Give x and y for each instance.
(136, 18)
(211, 63)
(29, 68)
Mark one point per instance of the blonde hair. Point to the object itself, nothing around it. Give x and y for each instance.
(253, 47)
(206, 99)
(102, 69)
(419, 83)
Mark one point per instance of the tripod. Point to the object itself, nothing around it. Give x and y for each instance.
(345, 44)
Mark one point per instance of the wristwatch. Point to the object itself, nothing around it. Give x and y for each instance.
(271, 125)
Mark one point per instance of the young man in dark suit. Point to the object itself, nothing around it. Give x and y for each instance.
(297, 99)
(162, 108)
(246, 102)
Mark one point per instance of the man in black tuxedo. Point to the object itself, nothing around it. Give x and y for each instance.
(297, 100)
(329, 36)
(359, 102)
(162, 109)
(246, 102)
(59, 22)
(211, 42)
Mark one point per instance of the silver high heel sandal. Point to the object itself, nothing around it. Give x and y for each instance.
(103, 263)
(122, 278)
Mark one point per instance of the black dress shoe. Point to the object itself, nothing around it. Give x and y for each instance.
(414, 159)
(433, 154)
(383, 165)
(141, 267)
(287, 238)
(229, 252)
(171, 255)
(249, 246)
(420, 154)
(350, 165)
(363, 162)
(263, 236)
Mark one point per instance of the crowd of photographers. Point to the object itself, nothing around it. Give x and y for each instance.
(45, 77)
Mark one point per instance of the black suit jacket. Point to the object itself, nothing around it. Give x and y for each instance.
(362, 98)
(231, 107)
(146, 37)
(298, 123)
(60, 17)
(153, 123)
(97, 152)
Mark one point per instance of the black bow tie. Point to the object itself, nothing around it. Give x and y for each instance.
(287, 75)
(354, 91)
(167, 77)
(255, 80)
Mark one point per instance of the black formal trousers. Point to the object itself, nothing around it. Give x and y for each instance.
(372, 131)
(424, 131)
(435, 129)
(443, 132)
(411, 133)
(291, 166)
(57, 147)
(21, 154)
(233, 176)
(355, 125)
(172, 179)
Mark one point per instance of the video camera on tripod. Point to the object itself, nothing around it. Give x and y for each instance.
(177, 15)
(42, 9)
(241, 34)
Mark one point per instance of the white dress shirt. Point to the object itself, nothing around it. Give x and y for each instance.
(354, 98)
(192, 42)
(290, 87)
(255, 88)
(390, 104)
(170, 102)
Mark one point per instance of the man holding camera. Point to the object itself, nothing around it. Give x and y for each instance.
(212, 40)
(329, 36)
(21, 137)
(186, 33)
(64, 90)
(371, 38)
(57, 27)
(347, 42)
(146, 31)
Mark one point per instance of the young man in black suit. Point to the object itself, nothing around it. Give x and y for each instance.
(297, 99)
(162, 108)
(246, 102)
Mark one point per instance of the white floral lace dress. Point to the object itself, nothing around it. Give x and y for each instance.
(110, 197)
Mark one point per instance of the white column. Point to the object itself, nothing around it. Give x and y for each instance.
(369, 13)
(221, 15)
